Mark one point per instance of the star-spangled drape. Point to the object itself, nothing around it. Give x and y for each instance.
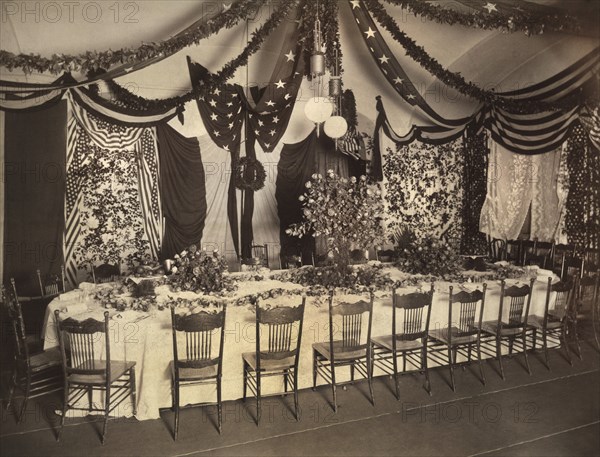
(229, 116)
(391, 68)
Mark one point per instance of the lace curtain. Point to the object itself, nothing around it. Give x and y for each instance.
(516, 182)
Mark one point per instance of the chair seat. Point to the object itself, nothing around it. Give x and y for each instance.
(387, 343)
(49, 358)
(441, 334)
(194, 374)
(339, 351)
(492, 328)
(538, 322)
(269, 364)
(117, 369)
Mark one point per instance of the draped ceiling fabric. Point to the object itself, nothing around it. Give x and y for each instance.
(515, 183)
(183, 191)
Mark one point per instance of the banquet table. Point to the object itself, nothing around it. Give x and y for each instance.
(145, 337)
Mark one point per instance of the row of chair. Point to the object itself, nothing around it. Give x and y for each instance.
(198, 345)
(562, 259)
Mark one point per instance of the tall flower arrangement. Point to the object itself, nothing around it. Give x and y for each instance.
(198, 271)
(347, 212)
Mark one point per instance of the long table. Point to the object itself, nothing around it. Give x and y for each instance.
(145, 337)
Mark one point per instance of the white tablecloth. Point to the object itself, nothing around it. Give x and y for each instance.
(146, 337)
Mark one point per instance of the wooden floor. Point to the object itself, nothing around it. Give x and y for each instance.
(546, 414)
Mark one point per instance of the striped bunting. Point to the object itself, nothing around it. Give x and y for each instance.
(73, 200)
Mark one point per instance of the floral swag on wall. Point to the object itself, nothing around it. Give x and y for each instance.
(111, 219)
(424, 190)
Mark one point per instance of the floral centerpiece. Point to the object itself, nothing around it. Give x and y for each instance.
(426, 255)
(347, 212)
(198, 271)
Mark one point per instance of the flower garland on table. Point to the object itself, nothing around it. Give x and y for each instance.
(121, 94)
(91, 60)
(196, 270)
(455, 80)
(249, 174)
(428, 255)
(518, 20)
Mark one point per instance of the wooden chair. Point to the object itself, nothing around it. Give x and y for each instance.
(528, 248)
(52, 285)
(351, 351)
(496, 249)
(289, 262)
(540, 255)
(260, 256)
(591, 262)
(203, 362)
(463, 330)
(559, 252)
(587, 307)
(571, 267)
(414, 313)
(105, 273)
(512, 252)
(516, 326)
(81, 344)
(279, 356)
(34, 375)
(553, 324)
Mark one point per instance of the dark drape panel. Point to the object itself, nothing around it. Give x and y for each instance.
(183, 191)
(329, 158)
(475, 167)
(35, 150)
(246, 232)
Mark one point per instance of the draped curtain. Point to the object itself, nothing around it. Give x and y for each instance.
(517, 183)
(34, 186)
(183, 191)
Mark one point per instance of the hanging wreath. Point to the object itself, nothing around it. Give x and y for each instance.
(249, 174)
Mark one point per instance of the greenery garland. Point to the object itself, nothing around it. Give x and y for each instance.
(124, 96)
(250, 174)
(455, 80)
(92, 60)
(519, 20)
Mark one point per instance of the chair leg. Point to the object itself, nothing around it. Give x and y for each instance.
(332, 366)
(403, 362)
(245, 381)
(352, 372)
(13, 385)
(90, 395)
(479, 362)
(596, 323)
(579, 355)
(106, 410)
(132, 390)
(524, 338)
(25, 399)
(396, 380)
(451, 364)
(176, 425)
(370, 376)
(545, 347)
(285, 380)
(511, 342)
(64, 409)
(314, 369)
(563, 337)
(499, 357)
(219, 406)
(258, 406)
(296, 394)
(425, 369)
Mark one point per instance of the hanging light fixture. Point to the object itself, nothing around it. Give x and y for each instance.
(318, 109)
(336, 126)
